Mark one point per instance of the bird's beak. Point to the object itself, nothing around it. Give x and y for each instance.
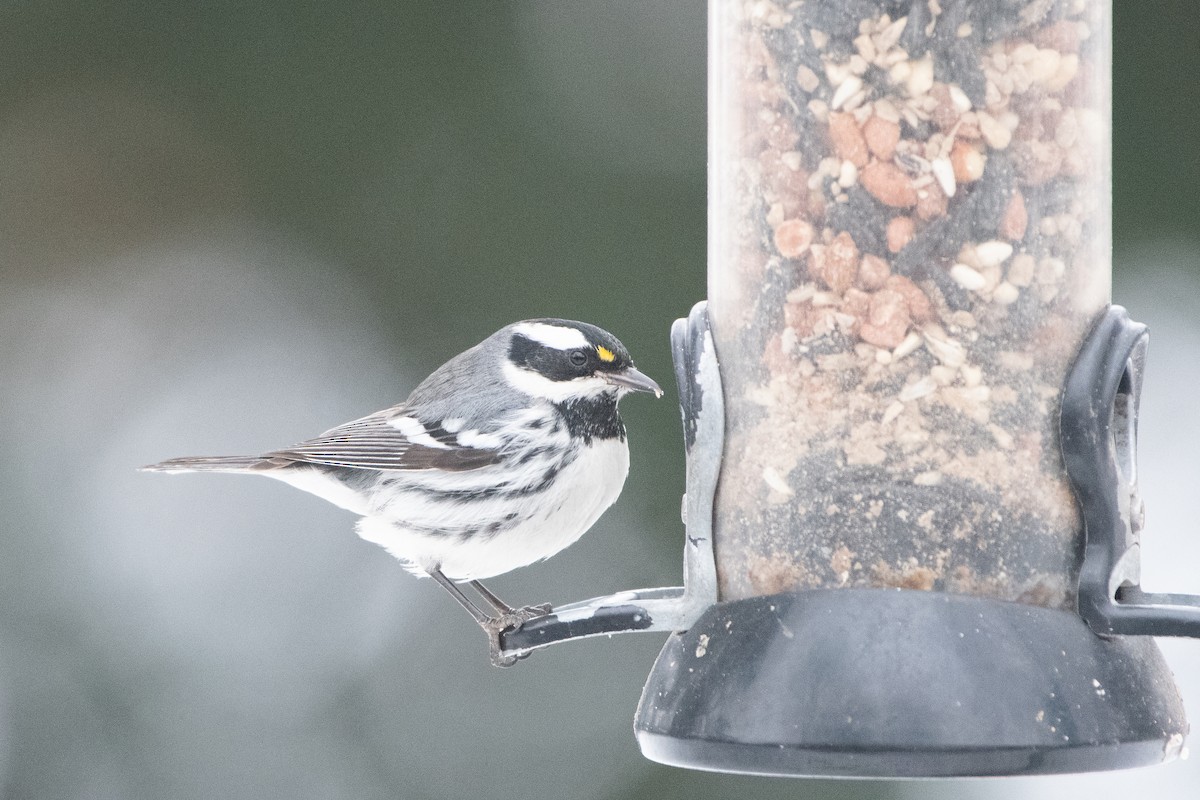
(634, 381)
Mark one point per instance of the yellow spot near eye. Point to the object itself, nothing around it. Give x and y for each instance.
(605, 354)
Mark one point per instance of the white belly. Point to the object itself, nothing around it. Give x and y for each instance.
(563, 512)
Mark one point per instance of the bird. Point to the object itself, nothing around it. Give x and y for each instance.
(505, 455)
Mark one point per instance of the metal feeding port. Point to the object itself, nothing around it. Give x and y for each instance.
(1099, 442)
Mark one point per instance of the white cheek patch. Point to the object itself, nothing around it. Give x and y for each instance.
(415, 432)
(531, 383)
(555, 336)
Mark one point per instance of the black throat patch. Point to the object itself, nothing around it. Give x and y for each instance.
(592, 418)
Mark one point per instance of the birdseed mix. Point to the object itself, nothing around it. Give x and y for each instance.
(909, 222)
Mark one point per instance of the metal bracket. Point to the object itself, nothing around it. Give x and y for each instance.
(1098, 428)
(672, 608)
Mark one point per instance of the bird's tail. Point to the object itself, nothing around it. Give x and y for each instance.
(206, 464)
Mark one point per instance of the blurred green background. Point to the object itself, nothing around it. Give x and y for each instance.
(227, 226)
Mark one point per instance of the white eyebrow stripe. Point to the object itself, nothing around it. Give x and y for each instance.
(416, 433)
(555, 336)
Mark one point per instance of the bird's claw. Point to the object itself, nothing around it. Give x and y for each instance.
(513, 620)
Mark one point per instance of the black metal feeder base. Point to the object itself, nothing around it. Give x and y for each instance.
(905, 684)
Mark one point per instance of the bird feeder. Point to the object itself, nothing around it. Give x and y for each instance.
(910, 412)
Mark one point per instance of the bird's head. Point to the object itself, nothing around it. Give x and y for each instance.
(560, 360)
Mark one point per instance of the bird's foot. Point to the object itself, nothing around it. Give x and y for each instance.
(513, 620)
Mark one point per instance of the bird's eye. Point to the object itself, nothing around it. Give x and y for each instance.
(578, 358)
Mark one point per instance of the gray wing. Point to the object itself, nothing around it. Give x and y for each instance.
(469, 388)
(377, 442)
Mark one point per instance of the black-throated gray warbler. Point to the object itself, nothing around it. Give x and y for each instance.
(503, 456)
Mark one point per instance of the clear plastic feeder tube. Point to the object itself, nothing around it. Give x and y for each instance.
(909, 238)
